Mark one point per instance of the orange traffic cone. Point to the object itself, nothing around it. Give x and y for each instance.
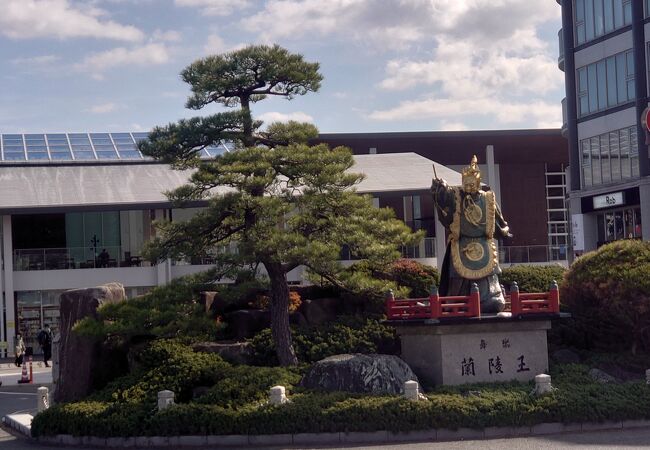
(24, 378)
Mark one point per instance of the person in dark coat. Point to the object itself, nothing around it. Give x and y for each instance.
(45, 341)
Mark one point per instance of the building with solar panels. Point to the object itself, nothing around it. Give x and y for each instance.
(77, 208)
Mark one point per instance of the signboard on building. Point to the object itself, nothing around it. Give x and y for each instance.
(578, 232)
(609, 200)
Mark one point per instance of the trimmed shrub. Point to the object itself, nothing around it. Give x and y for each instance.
(608, 293)
(346, 335)
(532, 278)
(577, 399)
(416, 276)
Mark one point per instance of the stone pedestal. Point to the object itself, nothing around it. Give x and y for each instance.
(475, 351)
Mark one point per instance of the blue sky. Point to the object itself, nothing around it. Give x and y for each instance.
(389, 65)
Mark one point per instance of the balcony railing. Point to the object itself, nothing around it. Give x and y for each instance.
(532, 254)
(74, 258)
(426, 249)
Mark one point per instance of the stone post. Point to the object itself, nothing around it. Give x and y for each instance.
(412, 390)
(165, 399)
(42, 398)
(277, 395)
(543, 384)
(647, 376)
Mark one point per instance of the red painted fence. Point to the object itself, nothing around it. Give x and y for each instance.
(437, 307)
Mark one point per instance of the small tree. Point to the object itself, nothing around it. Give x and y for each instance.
(284, 203)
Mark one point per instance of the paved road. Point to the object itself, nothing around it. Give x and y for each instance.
(601, 440)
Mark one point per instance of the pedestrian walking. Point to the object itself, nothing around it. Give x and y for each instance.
(45, 341)
(20, 350)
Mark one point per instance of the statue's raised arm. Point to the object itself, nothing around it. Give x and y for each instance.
(472, 218)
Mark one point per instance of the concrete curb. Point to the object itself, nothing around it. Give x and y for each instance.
(22, 424)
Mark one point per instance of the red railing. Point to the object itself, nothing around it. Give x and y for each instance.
(437, 307)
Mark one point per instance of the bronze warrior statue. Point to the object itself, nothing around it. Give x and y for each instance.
(472, 218)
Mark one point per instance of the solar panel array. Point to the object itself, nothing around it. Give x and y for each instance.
(82, 147)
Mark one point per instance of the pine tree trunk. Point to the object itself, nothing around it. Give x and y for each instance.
(280, 315)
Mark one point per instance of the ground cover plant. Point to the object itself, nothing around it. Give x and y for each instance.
(234, 402)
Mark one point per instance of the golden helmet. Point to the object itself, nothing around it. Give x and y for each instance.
(472, 172)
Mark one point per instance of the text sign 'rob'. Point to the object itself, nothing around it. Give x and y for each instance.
(609, 200)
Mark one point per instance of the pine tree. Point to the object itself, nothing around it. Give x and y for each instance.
(283, 202)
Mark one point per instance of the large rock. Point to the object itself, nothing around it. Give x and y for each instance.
(377, 374)
(78, 360)
(246, 323)
(315, 313)
(566, 356)
(234, 352)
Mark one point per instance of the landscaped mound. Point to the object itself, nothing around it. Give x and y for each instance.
(233, 402)
(608, 293)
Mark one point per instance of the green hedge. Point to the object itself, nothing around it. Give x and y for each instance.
(532, 278)
(577, 399)
(608, 293)
(348, 334)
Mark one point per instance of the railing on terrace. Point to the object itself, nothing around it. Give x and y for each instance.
(74, 258)
(532, 254)
(426, 249)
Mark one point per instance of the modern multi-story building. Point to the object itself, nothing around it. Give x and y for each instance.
(603, 52)
(76, 209)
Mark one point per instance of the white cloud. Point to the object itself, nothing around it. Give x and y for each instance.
(274, 116)
(103, 108)
(398, 24)
(215, 45)
(42, 60)
(452, 126)
(503, 112)
(143, 56)
(168, 36)
(24, 19)
(215, 7)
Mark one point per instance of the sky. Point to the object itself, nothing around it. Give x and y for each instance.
(388, 65)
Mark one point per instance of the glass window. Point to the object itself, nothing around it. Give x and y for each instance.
(609, 15)
(589, 20)
(627, 11)
(602, 86)
(592, 88)
(612, 99)
(606, 83)
(624, 136)
(580, 21)
(595, 160)
(599, 24)
(604, 158)
(614, 156)
(618, 13)
(630, 76)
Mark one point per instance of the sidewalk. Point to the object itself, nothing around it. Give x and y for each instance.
(7, 364)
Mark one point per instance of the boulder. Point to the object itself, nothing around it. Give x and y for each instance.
(246, 323)
(566, 356)
(315, 313)
(602, 377)
(234, 352)
(359, 373)
(78, 361)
